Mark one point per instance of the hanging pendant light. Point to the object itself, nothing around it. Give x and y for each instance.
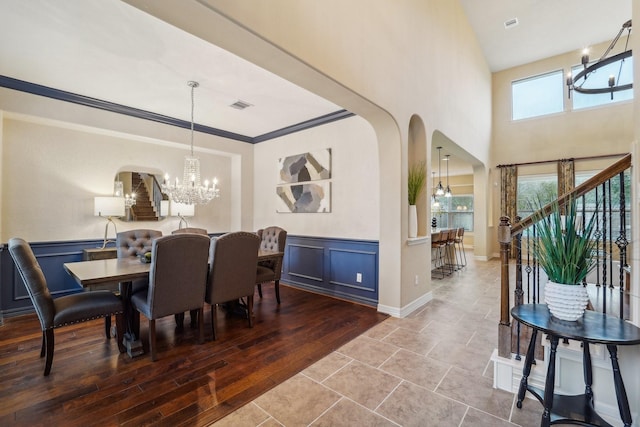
(439, 188)
(447, 192)
(191, 191)
(434, 199)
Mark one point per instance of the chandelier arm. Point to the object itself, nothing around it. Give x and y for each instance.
(593, 67)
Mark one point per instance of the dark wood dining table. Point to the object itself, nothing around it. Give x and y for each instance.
(125, 271)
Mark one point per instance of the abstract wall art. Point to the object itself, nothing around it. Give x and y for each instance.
(312, 166)
(304, 198)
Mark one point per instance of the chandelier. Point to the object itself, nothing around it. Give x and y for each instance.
(599, 86)
(191, 191)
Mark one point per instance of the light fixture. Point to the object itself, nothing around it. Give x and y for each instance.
(434, 199)
(439, 188)
(118, 191)
(601, 85)
(191, 191)
(447, 192)
(108, 207)
(181, 210)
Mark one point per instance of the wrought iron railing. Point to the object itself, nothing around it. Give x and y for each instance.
(607, 196)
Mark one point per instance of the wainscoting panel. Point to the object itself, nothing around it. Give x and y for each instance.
(346, 269)
(342, 268)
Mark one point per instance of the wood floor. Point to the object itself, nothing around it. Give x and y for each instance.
(91, 383)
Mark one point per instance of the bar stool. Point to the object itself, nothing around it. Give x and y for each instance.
(438, 246)
(460, 245)
(450, 244)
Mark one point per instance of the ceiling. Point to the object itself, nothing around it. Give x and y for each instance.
(109, 50)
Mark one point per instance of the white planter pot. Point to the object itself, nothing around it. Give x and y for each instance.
(566, 302)
(413, 221)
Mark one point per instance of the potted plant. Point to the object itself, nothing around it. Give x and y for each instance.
(565, 250)
(416, 181)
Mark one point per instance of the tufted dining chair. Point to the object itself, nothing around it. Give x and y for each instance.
(177, 281)
(194, 230)
(271, 239)
(193, 313)
(133, 243)
(65, 310)
(232, 271)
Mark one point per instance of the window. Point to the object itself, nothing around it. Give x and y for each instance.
(623, 74)
(537, 96)
(534, 190)
(454, 212)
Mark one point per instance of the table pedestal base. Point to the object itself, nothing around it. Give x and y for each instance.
(134, 347)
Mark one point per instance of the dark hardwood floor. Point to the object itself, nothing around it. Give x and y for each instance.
(91, 383)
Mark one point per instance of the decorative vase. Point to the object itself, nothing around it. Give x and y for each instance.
(413, 221)
(434, 223)
(566, 302)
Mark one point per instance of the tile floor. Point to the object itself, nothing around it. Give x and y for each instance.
(429, 369)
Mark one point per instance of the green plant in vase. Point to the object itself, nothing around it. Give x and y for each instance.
(565, 249)
(416, 181)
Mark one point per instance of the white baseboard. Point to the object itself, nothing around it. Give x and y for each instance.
(407, 309)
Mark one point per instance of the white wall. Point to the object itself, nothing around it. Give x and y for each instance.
(354, 181)
(57, 156)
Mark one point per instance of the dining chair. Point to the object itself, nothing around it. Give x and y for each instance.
(232, 272)
(65, 310)
(271, 239)
(135, 243)
(177, 281)
(194, 230)
(194, 313)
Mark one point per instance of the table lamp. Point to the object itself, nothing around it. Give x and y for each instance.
(181, 210)
(108, 207)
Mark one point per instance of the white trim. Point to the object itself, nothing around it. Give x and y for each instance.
(407, 309)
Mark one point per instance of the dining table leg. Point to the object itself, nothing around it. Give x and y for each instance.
(130, 339)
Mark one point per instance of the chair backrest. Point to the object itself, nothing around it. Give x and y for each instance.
(134, 243)
(178, 273)
(233, 260)
(34, 280)
(193, 230)
(272, 238)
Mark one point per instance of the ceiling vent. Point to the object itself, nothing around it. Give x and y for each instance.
(240, 105)
(510, 23)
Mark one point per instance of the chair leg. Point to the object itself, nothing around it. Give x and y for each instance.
(260, 289)
(200, 314)
(107, 326)
(120, 332)
(48, 337)
(194, 314)
(277, 287)
(43, 346)
(250, 310)
(152, 339)
(214, 315)
(179, 320)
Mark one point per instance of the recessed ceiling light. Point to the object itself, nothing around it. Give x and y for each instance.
(509, 23)
(240, 105)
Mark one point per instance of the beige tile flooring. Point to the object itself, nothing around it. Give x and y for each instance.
(429, 369)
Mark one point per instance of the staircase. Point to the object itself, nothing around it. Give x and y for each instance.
(143, 210)
(608, 291)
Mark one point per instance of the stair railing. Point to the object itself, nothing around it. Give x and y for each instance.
(604, 195)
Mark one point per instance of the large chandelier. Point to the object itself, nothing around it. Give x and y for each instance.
(191, 191)
(595, 85)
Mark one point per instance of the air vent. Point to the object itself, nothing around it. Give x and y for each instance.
(510, 23)
(240, 105)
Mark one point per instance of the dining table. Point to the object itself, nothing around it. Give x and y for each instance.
(124, 271)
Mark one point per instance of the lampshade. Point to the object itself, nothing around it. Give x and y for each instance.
(181, 209)
(108, 206)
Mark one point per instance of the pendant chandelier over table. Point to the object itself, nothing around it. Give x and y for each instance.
(191, 191)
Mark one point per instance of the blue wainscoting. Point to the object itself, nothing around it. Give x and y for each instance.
(324, 265)
(332, 267)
